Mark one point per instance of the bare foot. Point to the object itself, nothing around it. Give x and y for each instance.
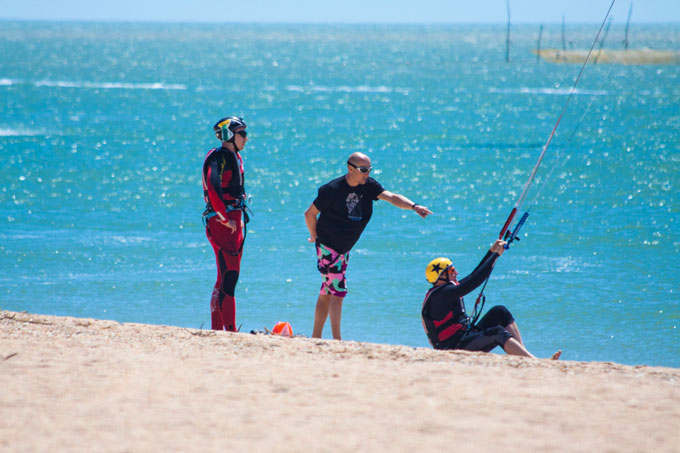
(556, 356)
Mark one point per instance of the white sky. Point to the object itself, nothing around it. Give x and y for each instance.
(342, 11)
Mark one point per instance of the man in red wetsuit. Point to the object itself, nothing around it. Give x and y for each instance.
(225, 216)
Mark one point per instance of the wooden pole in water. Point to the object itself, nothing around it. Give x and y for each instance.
(630, 12)
(507, 38)
(606, 31)
(538, 46)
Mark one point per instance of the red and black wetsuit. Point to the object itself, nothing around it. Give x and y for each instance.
(448, 326)
(223, 191)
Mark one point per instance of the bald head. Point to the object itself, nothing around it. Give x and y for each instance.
(359, 159)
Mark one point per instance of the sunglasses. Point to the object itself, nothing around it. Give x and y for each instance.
(447, 270)
(243, 134)
(363, 170)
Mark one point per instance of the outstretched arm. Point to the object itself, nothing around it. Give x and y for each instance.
(402, 202)
(310, 219)
(483, 269)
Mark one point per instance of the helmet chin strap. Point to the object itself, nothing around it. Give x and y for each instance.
(445, 274)
(233, 143)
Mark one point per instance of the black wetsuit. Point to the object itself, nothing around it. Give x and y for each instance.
(449, 327)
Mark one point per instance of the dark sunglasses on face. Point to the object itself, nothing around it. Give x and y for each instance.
(243, 134)
(363, 170)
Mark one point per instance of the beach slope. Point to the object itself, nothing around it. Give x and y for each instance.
(71, 384)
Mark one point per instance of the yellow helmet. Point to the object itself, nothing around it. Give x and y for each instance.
(435, 268)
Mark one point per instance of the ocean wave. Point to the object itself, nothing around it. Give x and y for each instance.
(345, 89)
(130, 239)
(556, 91)
(111, 85)
(19, 132)
(6, 82)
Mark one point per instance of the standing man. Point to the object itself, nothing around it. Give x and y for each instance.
(345, 205)
(225, 216)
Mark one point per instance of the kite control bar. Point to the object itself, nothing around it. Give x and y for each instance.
(509, 237)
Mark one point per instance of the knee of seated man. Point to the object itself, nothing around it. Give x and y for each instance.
(502, 314)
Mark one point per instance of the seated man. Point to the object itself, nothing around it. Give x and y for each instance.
(448, 326)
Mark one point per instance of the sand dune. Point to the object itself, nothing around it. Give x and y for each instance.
(72, 384)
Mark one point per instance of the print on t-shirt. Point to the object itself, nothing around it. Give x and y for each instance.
(354, 211)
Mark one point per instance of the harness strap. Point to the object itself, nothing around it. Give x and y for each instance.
(209, 213)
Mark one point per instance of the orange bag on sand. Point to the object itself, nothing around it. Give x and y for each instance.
(283, 328)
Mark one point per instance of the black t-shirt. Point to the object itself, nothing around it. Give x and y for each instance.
(345, 211)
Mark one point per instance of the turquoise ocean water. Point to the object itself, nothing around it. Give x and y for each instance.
(103, 130)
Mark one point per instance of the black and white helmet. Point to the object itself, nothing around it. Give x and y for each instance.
(225, 127)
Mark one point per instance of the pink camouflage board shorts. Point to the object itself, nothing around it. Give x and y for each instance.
(332, 266)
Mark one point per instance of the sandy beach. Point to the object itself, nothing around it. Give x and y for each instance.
(71, 384)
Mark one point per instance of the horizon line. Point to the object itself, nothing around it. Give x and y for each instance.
(320, 22)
